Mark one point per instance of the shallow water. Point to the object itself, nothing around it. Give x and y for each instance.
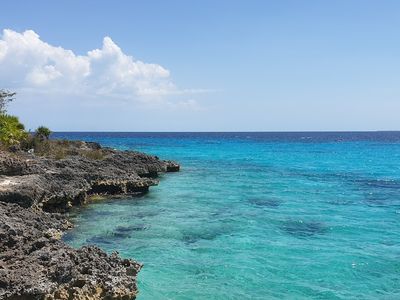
(258, 216)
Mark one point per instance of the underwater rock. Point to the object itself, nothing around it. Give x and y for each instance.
(131, 228)
(301, 228)
(379, 184)
(116, 236)
(267, 202)
(191, 236)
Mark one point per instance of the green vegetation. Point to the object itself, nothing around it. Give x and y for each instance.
(93, 154)
(60, 149)
(14, 137)
(12, 132)
(42, 133)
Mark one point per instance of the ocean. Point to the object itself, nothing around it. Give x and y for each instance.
(301, 215)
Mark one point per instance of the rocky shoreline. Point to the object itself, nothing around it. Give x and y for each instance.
(35, 194)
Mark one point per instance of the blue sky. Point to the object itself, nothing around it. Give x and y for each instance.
(206, 65)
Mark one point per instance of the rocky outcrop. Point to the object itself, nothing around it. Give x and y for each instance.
(34, 262)
(57, 184)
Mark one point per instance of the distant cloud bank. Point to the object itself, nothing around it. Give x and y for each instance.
(27, 62)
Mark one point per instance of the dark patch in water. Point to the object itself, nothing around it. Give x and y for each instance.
(131, 228)
(303, 228)
(142, 215)
(349, 177)
(379, 183)
(190, 237)
(320, 176)
(377, 192)
(118, 234)
(267, 202)
(380, 192)
(379, 199)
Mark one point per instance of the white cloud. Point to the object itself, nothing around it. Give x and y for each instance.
(27, 62)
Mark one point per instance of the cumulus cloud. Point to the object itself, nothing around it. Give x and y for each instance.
(27, 62)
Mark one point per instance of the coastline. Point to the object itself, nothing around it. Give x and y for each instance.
(35, 195)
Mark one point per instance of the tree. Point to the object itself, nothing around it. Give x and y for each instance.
(5, 98)
(43, 133)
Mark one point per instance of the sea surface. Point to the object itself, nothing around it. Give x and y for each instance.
(258, 216)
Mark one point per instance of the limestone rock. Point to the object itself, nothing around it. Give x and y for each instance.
(34, 262)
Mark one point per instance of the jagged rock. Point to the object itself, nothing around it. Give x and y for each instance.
(34, 262)
(58, 184)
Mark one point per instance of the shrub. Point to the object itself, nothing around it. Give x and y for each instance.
(12, 132)
(59, 154)
(93, 154)
(42, 133)
(49, 148)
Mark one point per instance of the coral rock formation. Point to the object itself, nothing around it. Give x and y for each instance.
(34, 262)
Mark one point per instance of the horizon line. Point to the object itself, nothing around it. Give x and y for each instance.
(251, 131)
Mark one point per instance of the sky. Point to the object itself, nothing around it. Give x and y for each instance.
(202, 65)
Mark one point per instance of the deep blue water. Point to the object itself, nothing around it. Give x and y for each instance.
(258, 216)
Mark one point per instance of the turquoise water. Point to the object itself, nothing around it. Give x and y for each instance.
(258, 216)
